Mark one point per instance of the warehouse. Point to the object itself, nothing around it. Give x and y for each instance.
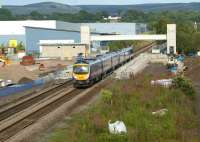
(34, 35)
(30, 32)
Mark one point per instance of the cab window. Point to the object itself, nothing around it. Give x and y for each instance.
(81, 69)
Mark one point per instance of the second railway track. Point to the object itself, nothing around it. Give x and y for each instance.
(4, 114)
(27, 118)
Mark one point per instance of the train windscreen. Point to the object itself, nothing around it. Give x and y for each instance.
(81, 69)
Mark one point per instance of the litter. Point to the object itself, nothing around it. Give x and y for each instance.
(117, 128)
(64, 74)
(164, 82)
(198, 53)
(161, 112)
(4, 83)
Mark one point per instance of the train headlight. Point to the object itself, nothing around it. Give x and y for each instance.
(74, 76)
(81, 77)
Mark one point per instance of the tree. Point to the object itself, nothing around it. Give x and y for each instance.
(185, 38)
(196, 42)
(161, 25)
(133, 16)
(36, 15)
(1, 46)
(5, 14)
(20, 46)
(116, 45)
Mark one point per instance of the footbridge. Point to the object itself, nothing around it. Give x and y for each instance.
(170, 37)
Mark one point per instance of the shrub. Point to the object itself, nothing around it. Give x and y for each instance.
(184, 84)
(106, 96)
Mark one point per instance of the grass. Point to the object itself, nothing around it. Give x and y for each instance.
(133, 101)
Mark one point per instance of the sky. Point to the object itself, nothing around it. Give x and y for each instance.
(94, 2)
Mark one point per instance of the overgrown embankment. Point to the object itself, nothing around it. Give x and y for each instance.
(133, 102)
(194, 74)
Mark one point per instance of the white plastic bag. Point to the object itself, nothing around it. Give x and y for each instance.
(117, 128)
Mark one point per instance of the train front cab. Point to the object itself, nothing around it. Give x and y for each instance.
(81, 74)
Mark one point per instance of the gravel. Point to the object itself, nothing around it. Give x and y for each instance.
(138, 64)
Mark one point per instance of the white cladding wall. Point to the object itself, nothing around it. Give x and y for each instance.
(17, 27)
(115, 28)
(68, 26)
(62, 51)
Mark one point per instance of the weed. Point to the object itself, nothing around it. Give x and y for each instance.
(185, 85)
(133, 102)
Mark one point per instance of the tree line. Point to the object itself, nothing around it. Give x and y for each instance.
(84, 16)
(81, 16)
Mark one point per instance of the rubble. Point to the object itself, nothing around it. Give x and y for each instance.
(133, 67)
(138, 64)
(164, 82)
(161, 112)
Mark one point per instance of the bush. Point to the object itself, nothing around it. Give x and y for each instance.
(106, 96)
(20, 46)
(184, 85)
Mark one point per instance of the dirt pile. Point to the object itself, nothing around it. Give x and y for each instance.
(16, 73)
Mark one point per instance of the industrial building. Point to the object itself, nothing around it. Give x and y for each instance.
(65, 49)
(31, 32)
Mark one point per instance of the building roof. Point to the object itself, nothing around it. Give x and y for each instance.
(60, 30)
(17, 27)
(60, 44)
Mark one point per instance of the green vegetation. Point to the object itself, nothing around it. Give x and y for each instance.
(81, 16)
(116, 45)
(20, 46)
(1, 46)
(187, 36)
(185, 85)
(133, 102)
(5, 15)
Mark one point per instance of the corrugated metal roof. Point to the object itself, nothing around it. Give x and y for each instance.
(60, 30)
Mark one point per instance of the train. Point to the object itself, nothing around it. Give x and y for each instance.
(87, 71)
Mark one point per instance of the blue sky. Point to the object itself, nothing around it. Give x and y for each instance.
(80, 2)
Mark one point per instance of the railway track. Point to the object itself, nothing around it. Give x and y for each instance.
(29, 116)
(146, 48)
(12, 109)
(25, 113)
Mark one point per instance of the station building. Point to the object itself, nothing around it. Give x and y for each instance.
(31, 32)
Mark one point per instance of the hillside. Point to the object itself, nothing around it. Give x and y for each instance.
(52, 7)
(43, 8)
(143, 7)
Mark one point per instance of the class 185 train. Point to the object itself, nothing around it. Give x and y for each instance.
(87, 71)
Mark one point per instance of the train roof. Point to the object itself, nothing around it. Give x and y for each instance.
(88, 60)
(93, 60)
